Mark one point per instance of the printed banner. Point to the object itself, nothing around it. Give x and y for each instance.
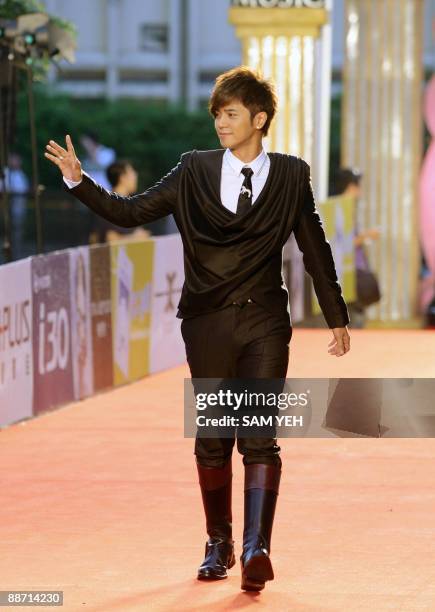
(81, 336)
(16, 358)
(338, 218)
(53, 371)
(101, 316)
(132, 264)
(166, 346)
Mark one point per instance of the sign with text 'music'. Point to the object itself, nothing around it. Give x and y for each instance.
(16, 359)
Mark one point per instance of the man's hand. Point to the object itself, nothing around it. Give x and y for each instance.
(65, 160)
(341, 342)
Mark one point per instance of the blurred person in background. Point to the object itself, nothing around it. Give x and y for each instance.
(15, 178)
(98, 158)
(17, 185)
(348, 183)
(122, 178)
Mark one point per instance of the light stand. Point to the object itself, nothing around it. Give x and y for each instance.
(6, 122)
(23, 40)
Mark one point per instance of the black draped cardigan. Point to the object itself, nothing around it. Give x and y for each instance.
(228, 257)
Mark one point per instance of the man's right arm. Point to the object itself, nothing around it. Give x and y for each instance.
(154, 203)
(317, 257)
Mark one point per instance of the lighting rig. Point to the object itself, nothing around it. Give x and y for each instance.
(27, 42)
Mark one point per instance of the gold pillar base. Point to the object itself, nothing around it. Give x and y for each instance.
(280, 43)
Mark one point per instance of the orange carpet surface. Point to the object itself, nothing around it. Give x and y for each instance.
(100, 499)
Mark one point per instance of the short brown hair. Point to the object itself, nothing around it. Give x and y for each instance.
(250, 88)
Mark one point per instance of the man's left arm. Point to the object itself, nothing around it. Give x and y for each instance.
(317, 258)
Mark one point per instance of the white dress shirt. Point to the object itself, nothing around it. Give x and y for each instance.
(232, 177)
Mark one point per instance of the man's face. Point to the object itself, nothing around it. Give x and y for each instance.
(234, 126)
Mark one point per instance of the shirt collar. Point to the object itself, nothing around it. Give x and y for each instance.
(237, 164)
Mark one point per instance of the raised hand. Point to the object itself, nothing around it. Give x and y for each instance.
(65, 159)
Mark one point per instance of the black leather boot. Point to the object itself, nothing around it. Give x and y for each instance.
(261, 492)
(216, 486)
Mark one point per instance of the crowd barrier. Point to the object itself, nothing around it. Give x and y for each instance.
(82, 320)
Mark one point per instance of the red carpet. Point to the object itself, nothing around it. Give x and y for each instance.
(100, 500)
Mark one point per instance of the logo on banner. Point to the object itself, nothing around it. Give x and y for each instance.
(171, 292)
(53, 372)
(16, 364)
(54, 339)
(14, 331)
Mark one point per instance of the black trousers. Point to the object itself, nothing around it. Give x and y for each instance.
(242, 340)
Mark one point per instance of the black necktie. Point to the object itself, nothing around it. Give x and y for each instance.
(245, 198)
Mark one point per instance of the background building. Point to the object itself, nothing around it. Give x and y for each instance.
(170, 50)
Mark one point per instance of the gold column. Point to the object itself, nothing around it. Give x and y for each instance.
(381, 135)
(280, 42)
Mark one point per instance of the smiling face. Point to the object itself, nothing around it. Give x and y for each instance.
(234, 126)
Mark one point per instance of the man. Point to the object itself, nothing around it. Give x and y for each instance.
(348, 184)
(235, 208)
(123, 180)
